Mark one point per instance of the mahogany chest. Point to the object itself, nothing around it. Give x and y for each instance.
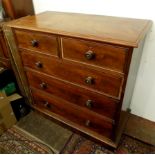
(79, 69)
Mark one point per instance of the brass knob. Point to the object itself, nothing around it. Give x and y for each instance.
(89, 103)
(47, 105)
(89, 80)
(89, 55)
(43, 85)
(87, 123)
(34, 43)
(39, 64)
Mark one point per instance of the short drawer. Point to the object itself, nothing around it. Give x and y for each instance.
(98, 54)
(80, 96)
(35, 41)
(97, 80)
(73, 113)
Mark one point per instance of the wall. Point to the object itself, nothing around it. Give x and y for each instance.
(143, 100)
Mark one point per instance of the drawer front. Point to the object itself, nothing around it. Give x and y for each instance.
(74, 94)
(40, 42)
(99, 54)
(75, 114)
(93, 79)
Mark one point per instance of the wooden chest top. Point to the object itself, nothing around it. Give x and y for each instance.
(116, 30)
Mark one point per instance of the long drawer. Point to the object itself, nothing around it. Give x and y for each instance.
(77, 95)
(73, 113)
(35, 41)
(98, 80)
(99, 54)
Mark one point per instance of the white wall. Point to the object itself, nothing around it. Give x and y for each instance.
(143, 101)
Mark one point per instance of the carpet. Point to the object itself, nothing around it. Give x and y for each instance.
(17, 141)
(128, 145)
(52, 134)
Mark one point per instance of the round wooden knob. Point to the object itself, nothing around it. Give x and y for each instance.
(89, 80)
(34, 43)
(43, 85)
(39, 64)
(89, 55)
(89, 103)
(87, 123)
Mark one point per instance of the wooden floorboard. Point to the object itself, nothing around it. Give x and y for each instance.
(141, 129)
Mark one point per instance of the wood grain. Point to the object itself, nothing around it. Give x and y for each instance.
(46, 43)
(105, 55)
(77, 95)
(116, 30)
(103, 82)
(73, 113)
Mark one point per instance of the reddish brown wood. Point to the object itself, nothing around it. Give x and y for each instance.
(18, 8)
(109, 84)
(68, 79)
(103, 55)
(77, 95)
(71, 112)
(45, 43)
(115, 30)
(4, 60)
(3, 47)
(5, 63)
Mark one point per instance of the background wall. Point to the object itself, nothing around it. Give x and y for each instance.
(143, 100)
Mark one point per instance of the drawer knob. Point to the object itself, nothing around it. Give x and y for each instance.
(47, 105)
(89, 80)
(87, 123)
(89, 103)
(89, 55)
(34, 43)
(39, 64)
(43, 85)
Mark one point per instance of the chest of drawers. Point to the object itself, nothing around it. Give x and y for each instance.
(79, 69)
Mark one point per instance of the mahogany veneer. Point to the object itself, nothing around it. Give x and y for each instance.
(79, 69)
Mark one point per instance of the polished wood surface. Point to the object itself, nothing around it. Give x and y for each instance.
(105, 83)
(18, 8)
(78, 115)
(4, 57)
(116, 30)
(39, 42)
(103, 55)
(3, 46)
(83, 76)
(77, 95)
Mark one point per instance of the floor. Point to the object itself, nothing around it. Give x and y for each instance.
(47, 131)
(62, 140)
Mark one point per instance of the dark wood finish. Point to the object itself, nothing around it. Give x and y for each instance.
(3, 46)
(39, 42)
(5, 63)
(67, 81)
(107, 83)
(4, 58)
(18, 8)
(99, 54)
(13, 9)
(73, 113)
(77, 95)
